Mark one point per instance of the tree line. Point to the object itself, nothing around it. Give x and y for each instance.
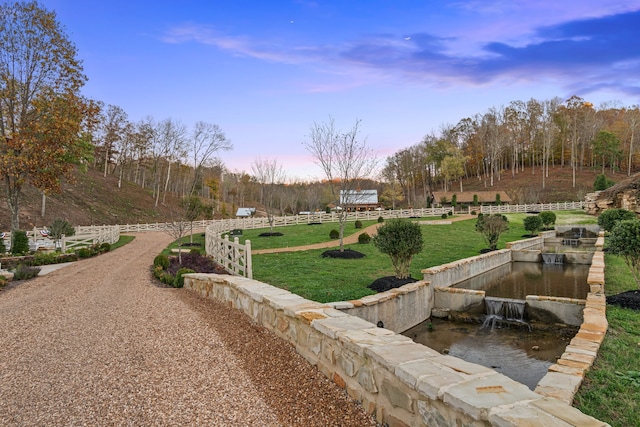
(536, 135)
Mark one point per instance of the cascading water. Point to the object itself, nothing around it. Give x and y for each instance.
(503, 311)
(552, 258)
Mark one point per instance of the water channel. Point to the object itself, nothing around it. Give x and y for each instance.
(511, 348)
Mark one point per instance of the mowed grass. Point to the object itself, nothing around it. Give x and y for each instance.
(311, 276)
(611, 389)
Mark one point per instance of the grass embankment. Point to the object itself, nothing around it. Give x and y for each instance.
(611, 388)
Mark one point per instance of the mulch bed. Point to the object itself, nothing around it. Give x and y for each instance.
(269, 234)
(629, 299)
(389, 282)
(345, 254)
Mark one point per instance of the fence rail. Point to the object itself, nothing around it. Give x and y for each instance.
(537, 207)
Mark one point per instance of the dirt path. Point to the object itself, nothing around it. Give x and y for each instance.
(98, 343)
(348, 240)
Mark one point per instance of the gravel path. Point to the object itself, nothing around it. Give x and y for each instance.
(98, 343)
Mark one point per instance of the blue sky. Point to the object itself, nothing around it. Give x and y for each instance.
(265, 71)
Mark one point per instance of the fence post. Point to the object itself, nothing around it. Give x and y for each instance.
(248, 267)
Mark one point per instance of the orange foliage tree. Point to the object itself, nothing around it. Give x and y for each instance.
(45, 125)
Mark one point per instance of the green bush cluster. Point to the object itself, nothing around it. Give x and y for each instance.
(443, 216)
(161, 261)
(608, 219)
(532, 224)
(178, 281)
(364, 238)
(491, 227)
(358, 224)
(334, 234)
(380, 219)
(19, 243)
(24, 272)
(93, 250)
(548, 219)
(401, 240)
(602, 183)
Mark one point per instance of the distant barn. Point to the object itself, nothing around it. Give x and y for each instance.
(360, 200)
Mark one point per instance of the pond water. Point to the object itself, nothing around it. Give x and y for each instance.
(519, 354)
(516, 280)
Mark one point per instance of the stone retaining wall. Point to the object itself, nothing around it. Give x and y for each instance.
(396, 309)
(401, 382)
(449, 274)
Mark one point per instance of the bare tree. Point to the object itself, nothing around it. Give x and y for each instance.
(345, 161)
(207, 139)
(269, 174)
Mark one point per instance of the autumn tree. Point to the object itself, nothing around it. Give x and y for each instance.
(345, 160)
(44, 122)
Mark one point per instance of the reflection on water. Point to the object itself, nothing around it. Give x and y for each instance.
(519, 354)
(518, 279)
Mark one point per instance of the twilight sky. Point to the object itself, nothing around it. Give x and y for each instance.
(265, 71)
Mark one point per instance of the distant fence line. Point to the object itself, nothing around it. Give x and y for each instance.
(236, 257)
(536, 207)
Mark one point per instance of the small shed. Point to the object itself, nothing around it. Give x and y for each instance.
(245, 212)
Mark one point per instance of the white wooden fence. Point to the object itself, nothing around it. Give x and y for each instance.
(84, 236)
(536, 207)
(236, 257)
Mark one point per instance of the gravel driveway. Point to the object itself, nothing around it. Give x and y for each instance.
(98, 343)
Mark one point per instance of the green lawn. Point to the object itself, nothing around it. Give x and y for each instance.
(320, 279)
(611, 389)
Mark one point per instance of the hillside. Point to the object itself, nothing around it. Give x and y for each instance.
(526, 186)
(98, 200)
(92, 200)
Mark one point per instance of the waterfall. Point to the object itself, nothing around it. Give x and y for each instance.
(552, 258)
(503, 310)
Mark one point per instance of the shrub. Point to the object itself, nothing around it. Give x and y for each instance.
(380, 220)
(498, 201)
(548, 219)
(105, 247)
(3, 248)
(602, 183)
(60, 227)
(178, 281)
(624, 241)
(450, 213)
(3, 281)
(161, 261)
(532, 224)
(610, 217)
(475, 200)
(364, 238)
(334, 234)
(443, 216)
(23, 272)
(401, 240)
(473, 212)
(84, 253)
(491, 227)
(358, 224)
(19, 243)
(454, 200)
